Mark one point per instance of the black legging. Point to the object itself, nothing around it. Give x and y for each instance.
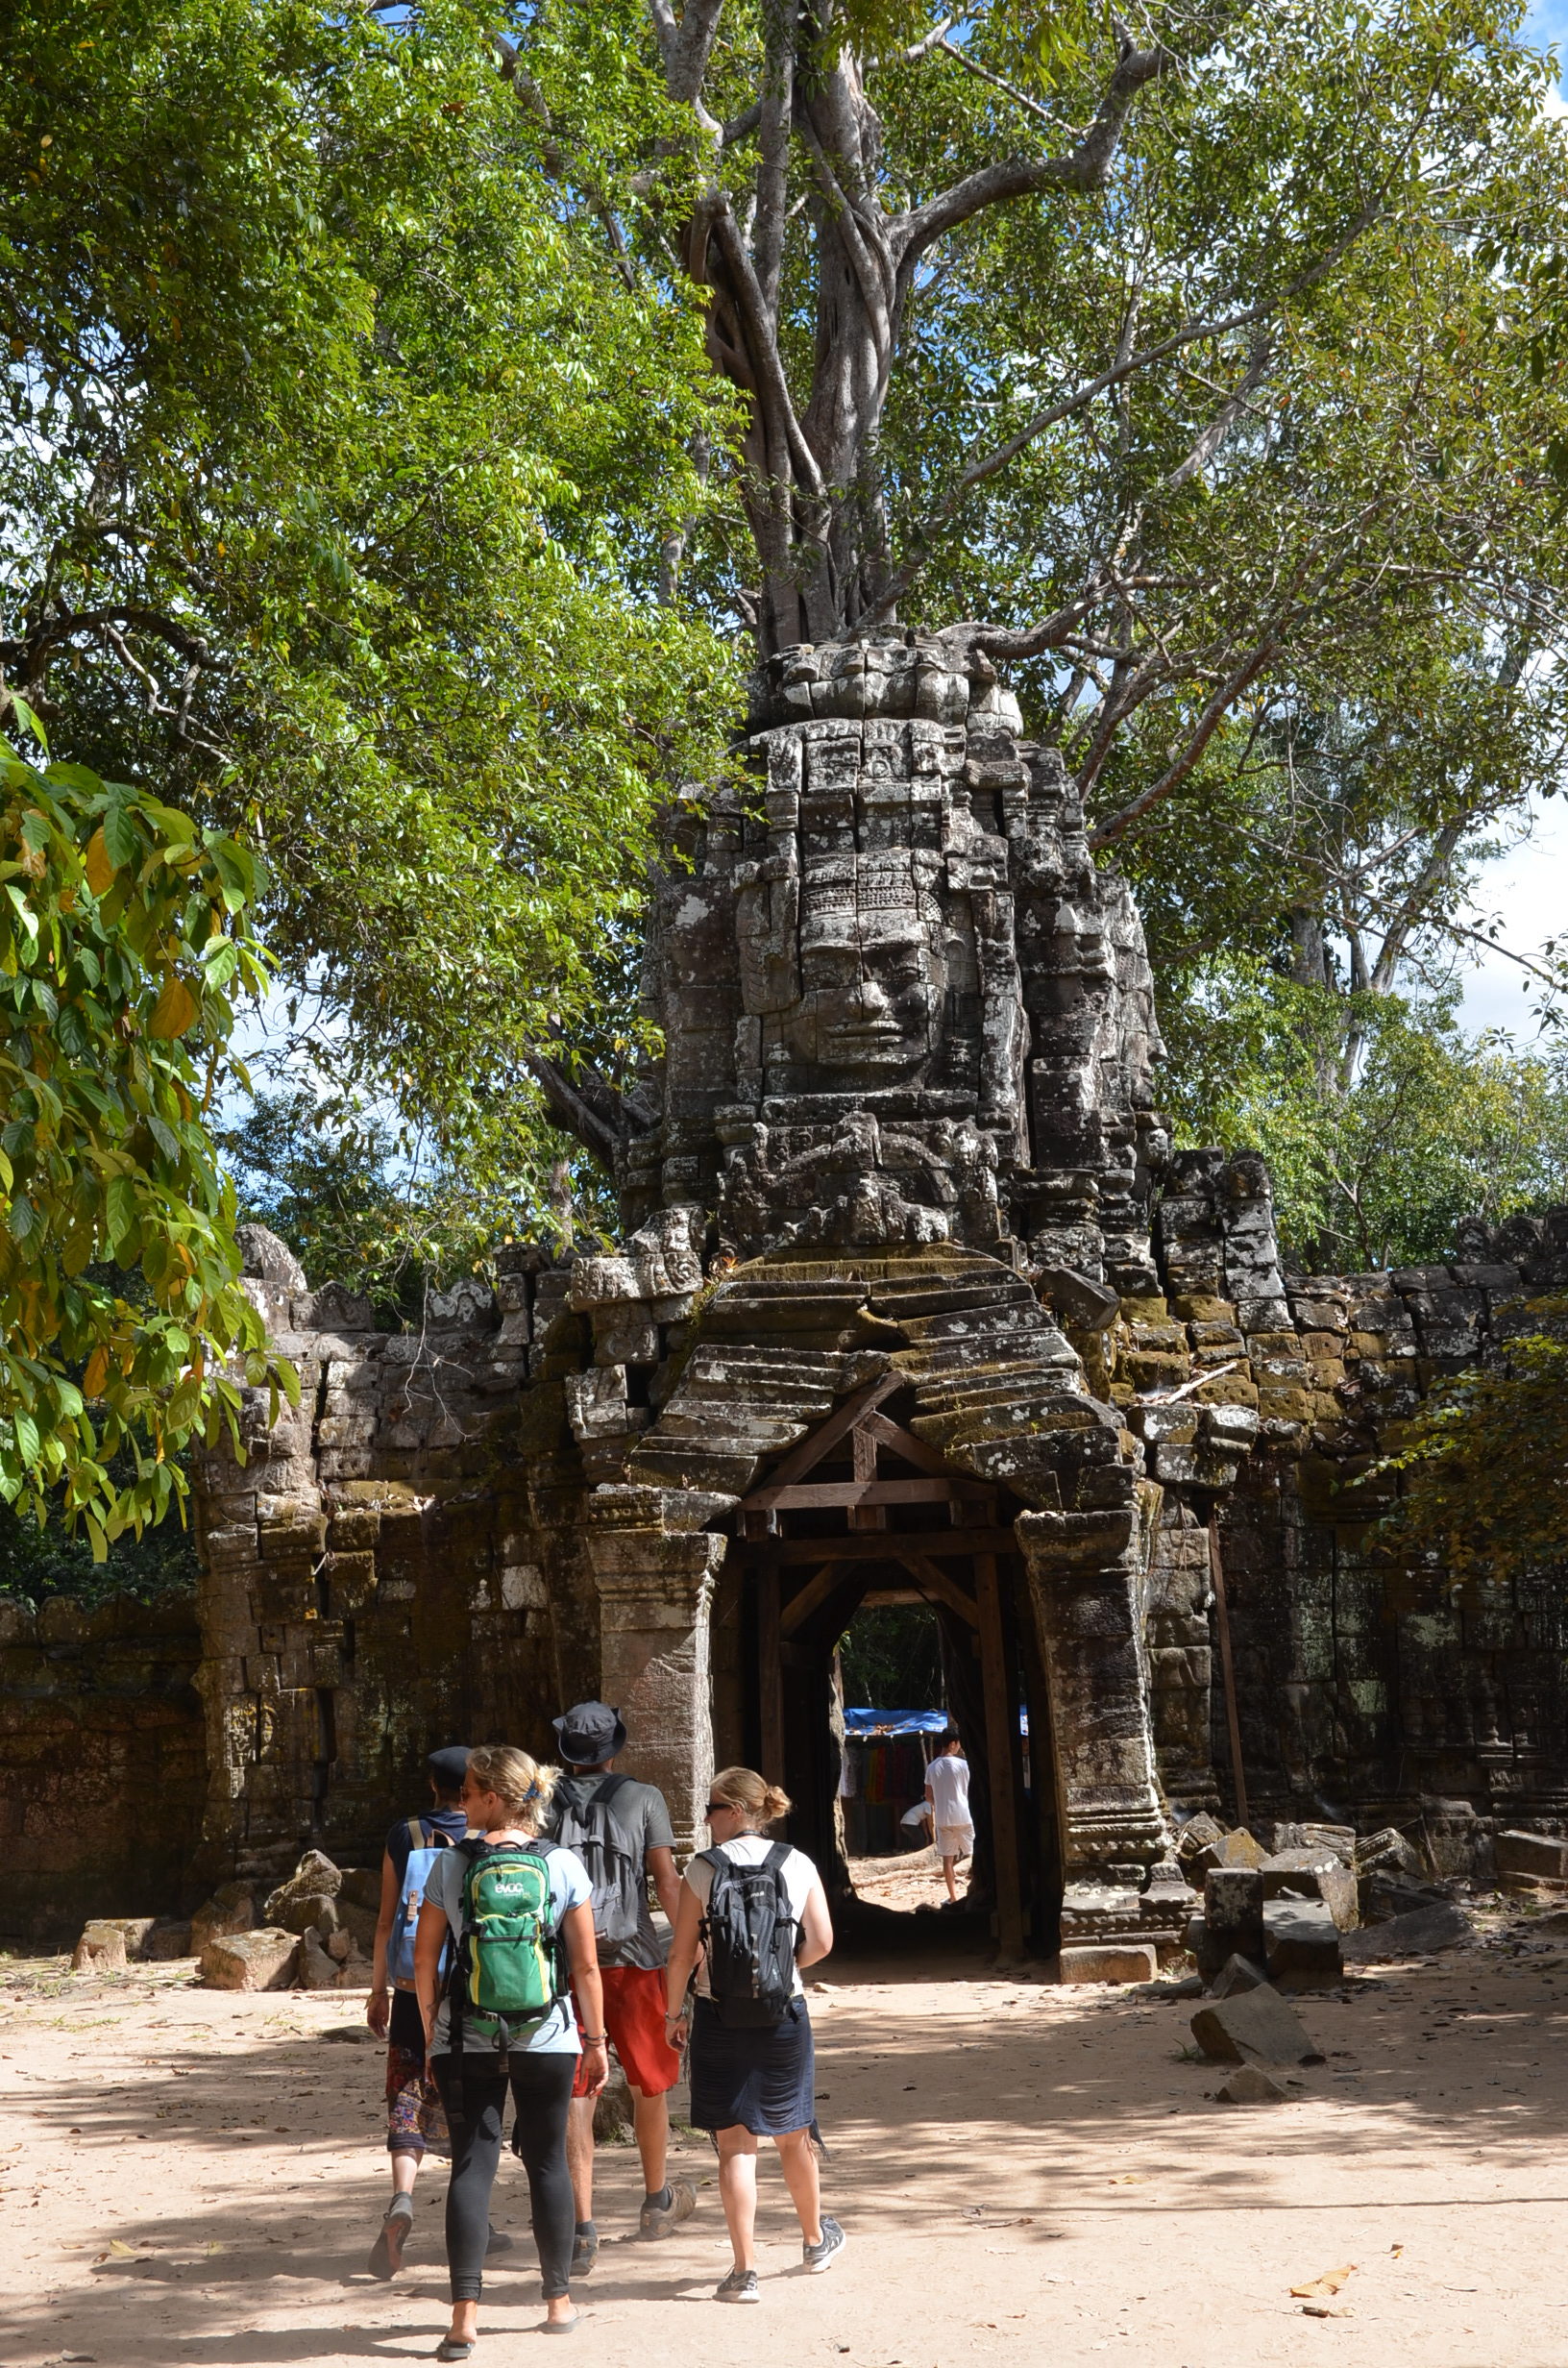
(541, 2090)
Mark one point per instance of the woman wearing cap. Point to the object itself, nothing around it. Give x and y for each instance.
(415, 2123)
(751, 2080)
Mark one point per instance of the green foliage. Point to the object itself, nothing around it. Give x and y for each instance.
(1484, 1465)
(1377, 1169)
(120, 954)
(360, 1205)
(891, 1659)
(39, 1560)
(338, 455)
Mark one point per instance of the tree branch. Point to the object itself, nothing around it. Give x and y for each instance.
(1084, 167)
(1107, 833)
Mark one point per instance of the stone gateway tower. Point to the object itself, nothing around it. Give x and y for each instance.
(912, 1301)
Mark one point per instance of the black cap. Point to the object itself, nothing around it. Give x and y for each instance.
(448, 1766)
(588, 1733)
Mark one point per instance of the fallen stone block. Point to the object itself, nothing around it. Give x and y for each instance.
(1442, 1926)
(315, 1967)
(1339, 1838)
(1255, 2026)
(1237, 1848)
(231, 1909)
(262, 1959)
(1385, 1895)
(1301, 1944)
(1532, 1858)
(305, 1911)
(1251, 2084)
(1237, 1975)
(1232, 1910)
(168, 1939)
(1315, 1873)
(1196, 1835)
(1110, 1961)
(314, 1878)
(100, 1948)
(1389, 1851)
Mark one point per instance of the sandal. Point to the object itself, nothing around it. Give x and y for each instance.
(562, 2326)
(449, 2348)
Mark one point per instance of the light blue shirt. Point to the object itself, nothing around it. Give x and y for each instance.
(568, 1888)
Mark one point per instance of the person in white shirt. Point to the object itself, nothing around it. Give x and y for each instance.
(752, 2065)
(947, 1797)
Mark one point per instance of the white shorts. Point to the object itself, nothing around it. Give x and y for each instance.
(955, 1841)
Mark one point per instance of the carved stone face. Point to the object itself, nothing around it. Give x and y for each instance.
(873, 974)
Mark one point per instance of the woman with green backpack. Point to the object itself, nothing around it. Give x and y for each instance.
(520, 1915)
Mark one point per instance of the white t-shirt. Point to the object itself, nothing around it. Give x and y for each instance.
(948, 1782)
(568, 1888)
(749, 1850)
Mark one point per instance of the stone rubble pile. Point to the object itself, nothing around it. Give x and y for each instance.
(315, 1931)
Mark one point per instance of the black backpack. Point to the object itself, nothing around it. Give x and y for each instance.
(613, 1857)
(751, 1930)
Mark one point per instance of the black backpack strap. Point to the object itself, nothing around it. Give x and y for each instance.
(470, 1848)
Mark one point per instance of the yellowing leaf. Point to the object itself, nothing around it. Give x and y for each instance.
(174, 1011)
(100, 868)
(97, 1373)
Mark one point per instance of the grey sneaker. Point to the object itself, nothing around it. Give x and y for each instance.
(820, 2254)
(656, 2219)
(740, 2286)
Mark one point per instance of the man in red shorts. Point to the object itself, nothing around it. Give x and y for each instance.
(621, 1829)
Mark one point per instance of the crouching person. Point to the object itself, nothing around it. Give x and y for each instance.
(513, 1908)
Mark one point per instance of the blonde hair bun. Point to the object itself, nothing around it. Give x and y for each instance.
(519, 1782)
(757, 1801)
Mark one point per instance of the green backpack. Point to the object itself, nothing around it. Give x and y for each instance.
(508, 1969)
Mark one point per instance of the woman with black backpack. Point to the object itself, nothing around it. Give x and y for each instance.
(758, 1912)
(520, 1917)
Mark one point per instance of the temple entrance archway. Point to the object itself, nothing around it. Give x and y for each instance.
(862, 1511)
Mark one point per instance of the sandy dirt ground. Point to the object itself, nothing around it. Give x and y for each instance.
(1026, 2173)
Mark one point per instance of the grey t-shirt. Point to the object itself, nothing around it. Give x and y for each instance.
(640, 1810)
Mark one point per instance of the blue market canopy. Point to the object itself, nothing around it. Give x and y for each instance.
(867, 1726)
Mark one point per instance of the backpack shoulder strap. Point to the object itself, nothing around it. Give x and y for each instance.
(418, 1837)
(610, 1786)
(776, 1856)
(566, 1789)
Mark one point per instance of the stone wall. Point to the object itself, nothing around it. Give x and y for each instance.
(103, 1765)
(375, 1579)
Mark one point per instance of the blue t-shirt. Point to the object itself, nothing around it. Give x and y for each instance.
(568, 1888)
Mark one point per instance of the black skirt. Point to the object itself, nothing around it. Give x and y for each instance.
(759, 2080)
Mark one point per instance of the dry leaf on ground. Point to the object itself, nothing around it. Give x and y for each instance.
(1329, 2283)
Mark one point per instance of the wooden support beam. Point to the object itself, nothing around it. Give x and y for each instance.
(817, 1495)
(935, 1581)
(1002, 1716)
(863, 1450)
(940, 1543)
(770, 1672)
(893, 1435)
(810, 1598)
(811, 1452)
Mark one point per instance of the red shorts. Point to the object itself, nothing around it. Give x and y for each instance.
(635, 2010)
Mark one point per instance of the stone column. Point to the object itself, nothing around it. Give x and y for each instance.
(654, 1564)
(1084, 1576)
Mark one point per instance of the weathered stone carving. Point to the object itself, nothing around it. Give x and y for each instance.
(900, 1002)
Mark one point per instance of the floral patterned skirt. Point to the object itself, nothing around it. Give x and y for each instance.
(416, 2123)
